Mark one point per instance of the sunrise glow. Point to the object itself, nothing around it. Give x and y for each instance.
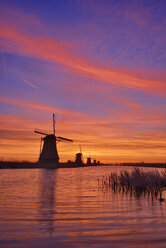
(98, 65)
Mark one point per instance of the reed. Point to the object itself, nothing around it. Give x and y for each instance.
(137, 182)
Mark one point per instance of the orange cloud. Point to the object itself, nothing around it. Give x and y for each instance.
(110, 139)
(56, 52)
(133, 105)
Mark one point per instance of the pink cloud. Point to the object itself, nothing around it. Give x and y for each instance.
(53, 51)
(42, 107)
(31, 84)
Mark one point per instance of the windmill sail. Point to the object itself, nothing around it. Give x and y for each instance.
(61, 138)
(53, 123)
(39, 132)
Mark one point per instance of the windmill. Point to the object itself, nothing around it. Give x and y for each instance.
(90, 162)
(79, 157)
(49, 151)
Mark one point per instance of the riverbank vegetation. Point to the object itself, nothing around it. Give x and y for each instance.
(138, 182)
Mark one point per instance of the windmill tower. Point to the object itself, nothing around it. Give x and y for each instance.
(79, 157)
(49, 151)
(88, 162)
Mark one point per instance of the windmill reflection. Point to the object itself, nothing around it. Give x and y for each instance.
(47, 204)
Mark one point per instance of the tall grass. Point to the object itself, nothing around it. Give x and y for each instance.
(137, 182)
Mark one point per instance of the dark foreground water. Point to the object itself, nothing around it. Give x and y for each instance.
(63, 208)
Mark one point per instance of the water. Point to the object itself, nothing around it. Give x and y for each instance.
(64, 208)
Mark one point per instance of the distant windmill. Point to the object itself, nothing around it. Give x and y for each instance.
(79, 157)
(49, 151)
(89, 160)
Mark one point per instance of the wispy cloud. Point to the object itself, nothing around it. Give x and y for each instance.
(31, 84)
(54, 51)
(4, 67)
(43, 107)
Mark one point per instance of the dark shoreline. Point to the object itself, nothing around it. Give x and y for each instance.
(37, 165)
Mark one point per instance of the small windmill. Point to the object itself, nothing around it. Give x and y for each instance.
(90, 162)
(49, 151)
(79, 157)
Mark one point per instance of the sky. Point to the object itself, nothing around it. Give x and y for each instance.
(98, 65)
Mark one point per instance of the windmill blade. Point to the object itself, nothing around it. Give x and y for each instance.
(61, 138)
(54, 123)
(80, 149)
(41, 145)
(36, 131)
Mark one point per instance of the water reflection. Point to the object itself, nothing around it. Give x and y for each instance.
(47, 208)
(63, 208)
(132, 195)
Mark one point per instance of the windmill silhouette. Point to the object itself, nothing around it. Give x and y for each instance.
(49, 153)
(79, 157)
